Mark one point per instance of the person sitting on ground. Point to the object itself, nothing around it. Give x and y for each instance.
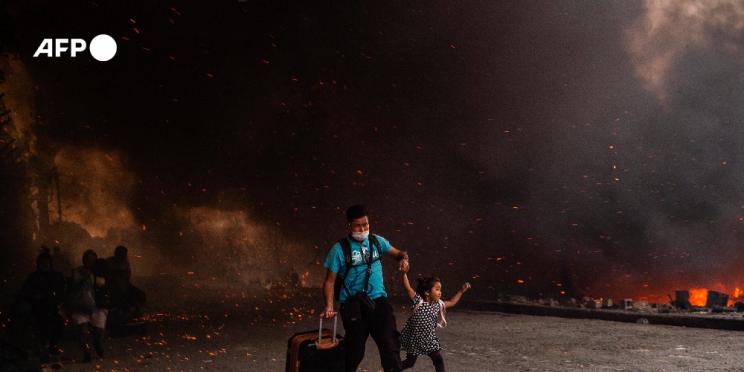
(419, 333)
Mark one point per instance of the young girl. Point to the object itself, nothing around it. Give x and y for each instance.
(418, 336)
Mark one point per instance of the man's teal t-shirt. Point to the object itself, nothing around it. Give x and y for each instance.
(355, 280)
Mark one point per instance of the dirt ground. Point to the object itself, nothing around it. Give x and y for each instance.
(473, 341)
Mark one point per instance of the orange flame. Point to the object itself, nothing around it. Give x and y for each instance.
(698, 296)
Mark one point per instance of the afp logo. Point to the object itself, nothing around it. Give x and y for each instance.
(102, 47)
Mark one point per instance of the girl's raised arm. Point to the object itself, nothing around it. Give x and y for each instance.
(456, 298)
(407, 286)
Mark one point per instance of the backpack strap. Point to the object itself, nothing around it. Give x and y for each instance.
(346, 248)
(374, 242)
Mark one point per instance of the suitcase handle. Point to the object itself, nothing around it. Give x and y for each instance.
(320, 329)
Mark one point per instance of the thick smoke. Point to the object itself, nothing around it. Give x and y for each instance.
(97, 191)
(608, 138)
(669, 30)
(96, 188)
(537, 147)
(230, 245)
(642, 194)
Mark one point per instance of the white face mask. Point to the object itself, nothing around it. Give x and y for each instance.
(360, 236)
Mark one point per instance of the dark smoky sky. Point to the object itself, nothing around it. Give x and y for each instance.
(495, 140)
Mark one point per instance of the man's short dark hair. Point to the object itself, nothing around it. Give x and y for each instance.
(356, 211)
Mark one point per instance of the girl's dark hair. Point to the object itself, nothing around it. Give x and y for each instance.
(425, 285)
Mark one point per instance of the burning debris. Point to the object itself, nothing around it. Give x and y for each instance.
(696, 307)
(697, 300)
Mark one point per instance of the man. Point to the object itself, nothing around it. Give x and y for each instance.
(126, 299)
(361, 319)
(44, 289)
(119, 274)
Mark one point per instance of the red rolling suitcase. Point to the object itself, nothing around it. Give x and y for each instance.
(316, 351)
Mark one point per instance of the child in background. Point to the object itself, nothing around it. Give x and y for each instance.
(418, 336)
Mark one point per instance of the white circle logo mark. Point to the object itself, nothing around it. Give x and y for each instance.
(103, 47)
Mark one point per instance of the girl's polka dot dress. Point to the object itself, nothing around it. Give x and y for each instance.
(418, 336)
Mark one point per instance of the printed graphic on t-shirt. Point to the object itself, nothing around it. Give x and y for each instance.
(356, 257)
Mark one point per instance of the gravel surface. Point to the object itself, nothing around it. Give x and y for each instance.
(473, 341)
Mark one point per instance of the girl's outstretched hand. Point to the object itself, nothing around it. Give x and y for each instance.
(466, 286)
